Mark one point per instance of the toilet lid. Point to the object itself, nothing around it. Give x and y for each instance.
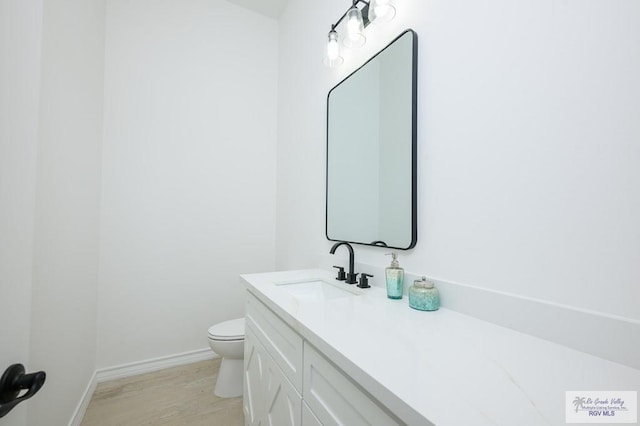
(228, 330)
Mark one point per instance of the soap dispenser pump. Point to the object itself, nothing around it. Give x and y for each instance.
(395, 278)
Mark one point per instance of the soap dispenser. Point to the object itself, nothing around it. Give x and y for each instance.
(395, 278)
(423, 296)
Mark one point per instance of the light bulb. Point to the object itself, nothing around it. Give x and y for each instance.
(355, 28)
(333, 58)
(333, 48)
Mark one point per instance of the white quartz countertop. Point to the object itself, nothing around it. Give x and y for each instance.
(441, 367)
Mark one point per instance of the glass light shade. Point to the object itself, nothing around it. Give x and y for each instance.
(381, 11)
(333, 58)
(355, 28)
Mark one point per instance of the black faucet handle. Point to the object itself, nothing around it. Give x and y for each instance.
(341, 275)
(364, 281)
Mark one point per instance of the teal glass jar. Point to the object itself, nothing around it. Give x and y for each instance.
(423, 296)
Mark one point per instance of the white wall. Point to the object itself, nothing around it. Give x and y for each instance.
(188, 199)
(302, 96)
(65, 281)
(51, 131)
(20, 37)
(528, 145)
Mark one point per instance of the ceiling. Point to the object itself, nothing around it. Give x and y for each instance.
(271, 8)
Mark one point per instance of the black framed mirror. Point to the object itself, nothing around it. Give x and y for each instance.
(371, 193)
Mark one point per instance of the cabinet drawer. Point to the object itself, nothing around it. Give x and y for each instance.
(334, 398)
(281, 342)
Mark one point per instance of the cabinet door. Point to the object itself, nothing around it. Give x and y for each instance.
(334, 398)
(255, 360)
(269, 397)
(308, 418)
(283, 402)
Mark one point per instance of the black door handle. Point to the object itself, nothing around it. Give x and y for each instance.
(13, 381)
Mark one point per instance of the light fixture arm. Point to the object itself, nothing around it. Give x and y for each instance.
(365, 11)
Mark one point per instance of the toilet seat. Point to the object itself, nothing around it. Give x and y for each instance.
(228, 330)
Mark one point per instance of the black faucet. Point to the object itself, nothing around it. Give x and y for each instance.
(351, 276)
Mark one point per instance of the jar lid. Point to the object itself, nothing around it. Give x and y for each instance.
(423, 283)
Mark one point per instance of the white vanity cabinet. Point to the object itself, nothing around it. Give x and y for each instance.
(334, 398)
(288, 382)
(336, 347)
(272, 369)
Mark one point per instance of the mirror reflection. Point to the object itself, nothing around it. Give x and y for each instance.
(371, 147)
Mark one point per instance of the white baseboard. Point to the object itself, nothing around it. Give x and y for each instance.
(154, 364)
(78, 414)
(134, 369)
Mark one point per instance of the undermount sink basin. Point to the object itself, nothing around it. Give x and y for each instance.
(316, 290)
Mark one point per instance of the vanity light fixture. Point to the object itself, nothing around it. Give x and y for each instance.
(356, 21)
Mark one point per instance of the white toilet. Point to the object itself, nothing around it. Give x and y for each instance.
(227, 340)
